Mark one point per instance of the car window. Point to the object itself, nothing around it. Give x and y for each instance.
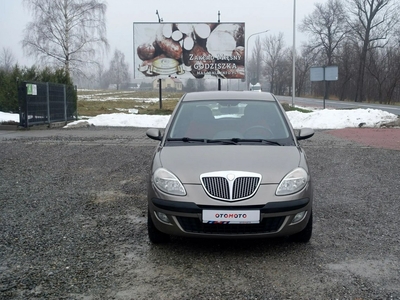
(229, 119)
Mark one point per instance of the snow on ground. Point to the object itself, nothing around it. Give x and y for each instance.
(318, 119)
(342, 118)
(4, 117)
(122, 120)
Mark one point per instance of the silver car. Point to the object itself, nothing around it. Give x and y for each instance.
(229, 165)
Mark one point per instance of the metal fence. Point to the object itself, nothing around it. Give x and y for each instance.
(46, 103)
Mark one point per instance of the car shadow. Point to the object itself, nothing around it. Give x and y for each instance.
(233, 246)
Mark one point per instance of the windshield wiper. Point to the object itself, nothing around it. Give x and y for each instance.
(233, 141)
(264, 141)
(189, 140)
(186, 140)
(224, 141)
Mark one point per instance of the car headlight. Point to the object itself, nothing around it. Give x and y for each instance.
(168, 182)
(292, 182)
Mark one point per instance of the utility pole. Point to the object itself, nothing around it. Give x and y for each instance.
(294, 54)
(159, 79)
(219, 79)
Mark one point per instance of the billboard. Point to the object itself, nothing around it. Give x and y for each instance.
(189, 50)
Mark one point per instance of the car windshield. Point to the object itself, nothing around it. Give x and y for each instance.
(243, 121)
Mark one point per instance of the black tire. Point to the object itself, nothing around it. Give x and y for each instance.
(155, 236)
(304, 236)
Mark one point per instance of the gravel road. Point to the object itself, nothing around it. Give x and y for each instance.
(73, 226)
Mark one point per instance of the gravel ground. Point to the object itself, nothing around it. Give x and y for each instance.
(73, 226)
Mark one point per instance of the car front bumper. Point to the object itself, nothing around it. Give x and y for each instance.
(185, 219)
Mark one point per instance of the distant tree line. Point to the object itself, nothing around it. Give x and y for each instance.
(96, 75)
(361, 37)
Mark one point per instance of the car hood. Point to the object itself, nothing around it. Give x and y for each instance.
(189, 162)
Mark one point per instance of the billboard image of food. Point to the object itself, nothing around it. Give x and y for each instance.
(189, 50)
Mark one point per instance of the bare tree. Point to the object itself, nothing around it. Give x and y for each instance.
(119, 70)
(303, 64)
(255, 64)
(347, 61)
(372, 23)
(91, 76)
(274, 47)
(283, 73)
(7, 59)
(327, 27)
(384, 67)
(67, 32)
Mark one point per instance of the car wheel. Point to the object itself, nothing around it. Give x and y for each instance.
(155, 235)
(304, 236)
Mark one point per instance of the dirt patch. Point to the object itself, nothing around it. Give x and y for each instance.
(387, 138)
(107, 196)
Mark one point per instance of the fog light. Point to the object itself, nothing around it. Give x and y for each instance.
(299, 217)
(162, 217)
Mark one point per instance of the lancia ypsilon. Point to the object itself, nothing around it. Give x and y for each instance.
(229, 165)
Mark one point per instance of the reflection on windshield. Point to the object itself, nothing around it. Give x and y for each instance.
(212, 120)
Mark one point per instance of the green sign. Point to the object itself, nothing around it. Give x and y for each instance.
(31, 89)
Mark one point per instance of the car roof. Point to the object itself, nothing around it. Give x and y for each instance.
(228, 95)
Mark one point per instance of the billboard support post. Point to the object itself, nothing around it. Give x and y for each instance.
(160, 92)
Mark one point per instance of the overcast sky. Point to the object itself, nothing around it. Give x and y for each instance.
(258, 15)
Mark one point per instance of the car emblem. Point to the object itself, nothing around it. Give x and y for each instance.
(230, 176)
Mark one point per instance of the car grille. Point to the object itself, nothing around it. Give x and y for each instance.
(231, 186)
(194, 225)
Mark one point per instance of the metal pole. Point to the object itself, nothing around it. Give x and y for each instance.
(324, 86)
(134, 56)
(75, 101)
(159, 80)
(48, 102)
(294, 54)
(65, 104)
(219, 79)
(25, 103)
(160, 91)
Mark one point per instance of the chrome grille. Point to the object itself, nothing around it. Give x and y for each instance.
(217, 187)
(243, 187)
(230, 185)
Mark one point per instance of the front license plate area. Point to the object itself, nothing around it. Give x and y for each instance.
(231, 217)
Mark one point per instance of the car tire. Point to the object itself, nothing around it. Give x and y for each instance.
(155, 235)
(304, 236)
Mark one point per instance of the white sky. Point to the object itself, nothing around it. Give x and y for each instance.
(258, 15)
(318, 119)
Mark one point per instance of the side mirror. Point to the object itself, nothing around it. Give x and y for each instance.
(305, 133)
(154, 134)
